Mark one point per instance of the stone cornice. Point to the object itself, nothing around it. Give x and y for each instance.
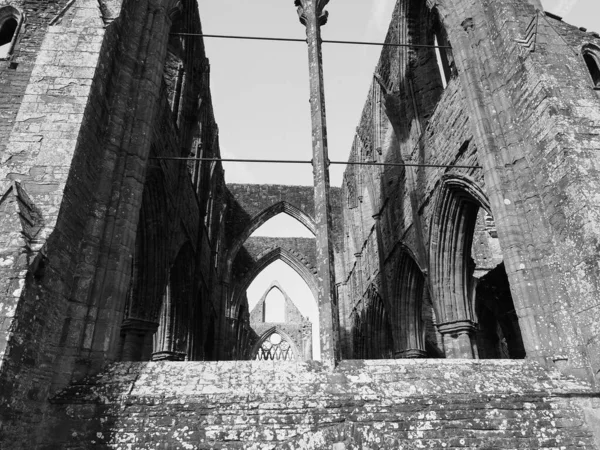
(320, 10)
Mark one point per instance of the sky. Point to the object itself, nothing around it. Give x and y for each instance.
(260, 89)
(261, 92)
(261, 98)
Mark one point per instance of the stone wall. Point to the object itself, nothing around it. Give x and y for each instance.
(360, 404)
(15, 71)
(83, 195)
(529, 120)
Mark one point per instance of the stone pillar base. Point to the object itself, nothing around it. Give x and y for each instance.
(137, 339)
(168, 356)
(410, 354)
(459, 342)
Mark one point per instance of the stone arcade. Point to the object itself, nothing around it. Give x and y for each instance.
(459, 289)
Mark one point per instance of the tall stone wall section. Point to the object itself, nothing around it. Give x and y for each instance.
(530, 123)
(35, 169)
(73, 179)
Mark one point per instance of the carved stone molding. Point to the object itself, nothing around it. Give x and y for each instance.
(174, 9)
(459, 327)
(138, 325)
(303, 5)
(410, 354)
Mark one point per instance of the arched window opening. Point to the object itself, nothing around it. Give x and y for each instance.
(444, 56)
(274, 310)
(174, 73)
(210, 203)
(279, 297)
(593, 65)
(7, 31)
(414, 317)
(10, 20)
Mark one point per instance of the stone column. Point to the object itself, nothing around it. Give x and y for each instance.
(313, 16)
(168, 336)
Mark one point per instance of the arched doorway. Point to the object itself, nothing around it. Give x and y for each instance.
(468, 279)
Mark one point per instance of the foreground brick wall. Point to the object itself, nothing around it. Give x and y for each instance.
(360, 404)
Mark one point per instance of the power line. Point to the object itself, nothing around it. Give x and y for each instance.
(325, 41)
(290, 161)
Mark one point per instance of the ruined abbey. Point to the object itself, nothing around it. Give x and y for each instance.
(456, 271)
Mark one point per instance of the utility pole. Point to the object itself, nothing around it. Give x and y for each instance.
(313, 16)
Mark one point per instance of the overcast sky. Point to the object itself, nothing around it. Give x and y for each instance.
(260, 89)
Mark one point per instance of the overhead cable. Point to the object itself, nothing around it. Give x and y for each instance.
(290, 161)
(324, 41)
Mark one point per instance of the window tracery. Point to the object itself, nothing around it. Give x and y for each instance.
(275, 348)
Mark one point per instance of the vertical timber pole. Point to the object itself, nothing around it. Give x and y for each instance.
(313, 16)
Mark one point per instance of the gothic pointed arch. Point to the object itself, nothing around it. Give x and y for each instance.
(264, 217)
(371, 328)
(451, 265)
(476, 313)
(378, 334)
(306, 273)
(274, 300)
(407, 307)
(591, 57)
